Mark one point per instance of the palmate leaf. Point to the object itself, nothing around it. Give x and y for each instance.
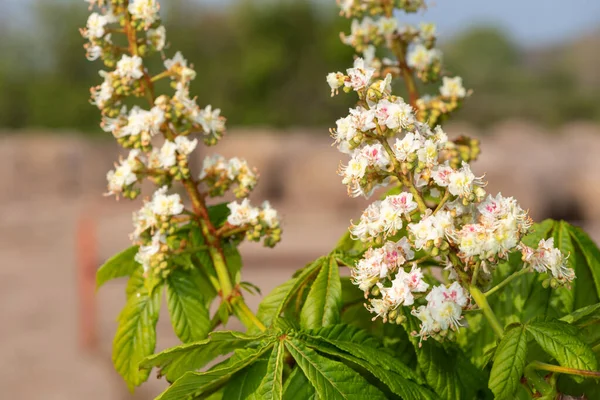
(378, 363)
(509, 363)
(563, 343)
(322, 306)
(187, 307)
(176, 361)
(136, 335)
(194, 384)
(331, 379)
(120, 265)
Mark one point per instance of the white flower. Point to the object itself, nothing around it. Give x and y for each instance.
(453, 88)
(269, 215)
(441, 174)
(355, 170)
(407, 146)
(371, 224)
(125, 173)
(166, 156)
(242, 213)
(144, 10)
(428, 153)
(363, 119)
(462, 182)
(387, 26)
(414, 279)
(93, 53)
(166, 205)
(344, 134)
(427, 31)
(145, 253)
(431, 228)
(420, 57)
(145, 123)
(158, 37)
(95, 26)
(211, 121)
(184, 145)
(395, 115)
(130, 67)
(399, 293)
(335, 80)
(103, 93)
(548, 258)
(360, 76)
(143, 219)
(375, 155)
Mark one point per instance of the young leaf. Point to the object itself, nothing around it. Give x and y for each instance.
(509, 363)
(122, 264)
(563, 343)
(581, 313)
(591, 255)
(562, 240)
(245, 383)
(176, 361)
(189, 315)
(275, 302)
(194, 384)
(297, 387)
(136, 336)
(331, 379)
(397, 383)
(322, 306)
(271, 387)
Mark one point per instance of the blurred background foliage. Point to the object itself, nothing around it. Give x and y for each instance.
(265, 64)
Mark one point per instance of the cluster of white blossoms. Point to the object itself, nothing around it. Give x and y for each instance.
(442, 215)
(162, 137)
(221, 174)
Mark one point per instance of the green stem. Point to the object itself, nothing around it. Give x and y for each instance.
(243, 312)
(443, 201)
(475, 274)
(506, 281)
(539, 383)
(563, 370)
(482, 303)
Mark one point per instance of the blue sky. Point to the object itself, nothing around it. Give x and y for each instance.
(530, 22)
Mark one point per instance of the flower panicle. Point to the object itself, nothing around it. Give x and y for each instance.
(442, 216)
(162, 136)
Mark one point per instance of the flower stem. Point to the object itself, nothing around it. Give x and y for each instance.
(399, 49)
(482, 303)
(563, 370)
(539, 383)
(243, 312)
(506, 282)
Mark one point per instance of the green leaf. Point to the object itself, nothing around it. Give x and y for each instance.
(218, 214)
(563, 343)
(297, 387)
(384, 368)
(564, 297)
(509, 363)
(122, 264)
(358, 343)
(176, 361)
(245, 383)
(581, 313)
(194, 384)
(189, 315)
(590, 271)
(271, 387)
(440, 371)
(322, 306)
(538, 232)
(275, 302)
(135, 283)
(331, 379)
(136, 336)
